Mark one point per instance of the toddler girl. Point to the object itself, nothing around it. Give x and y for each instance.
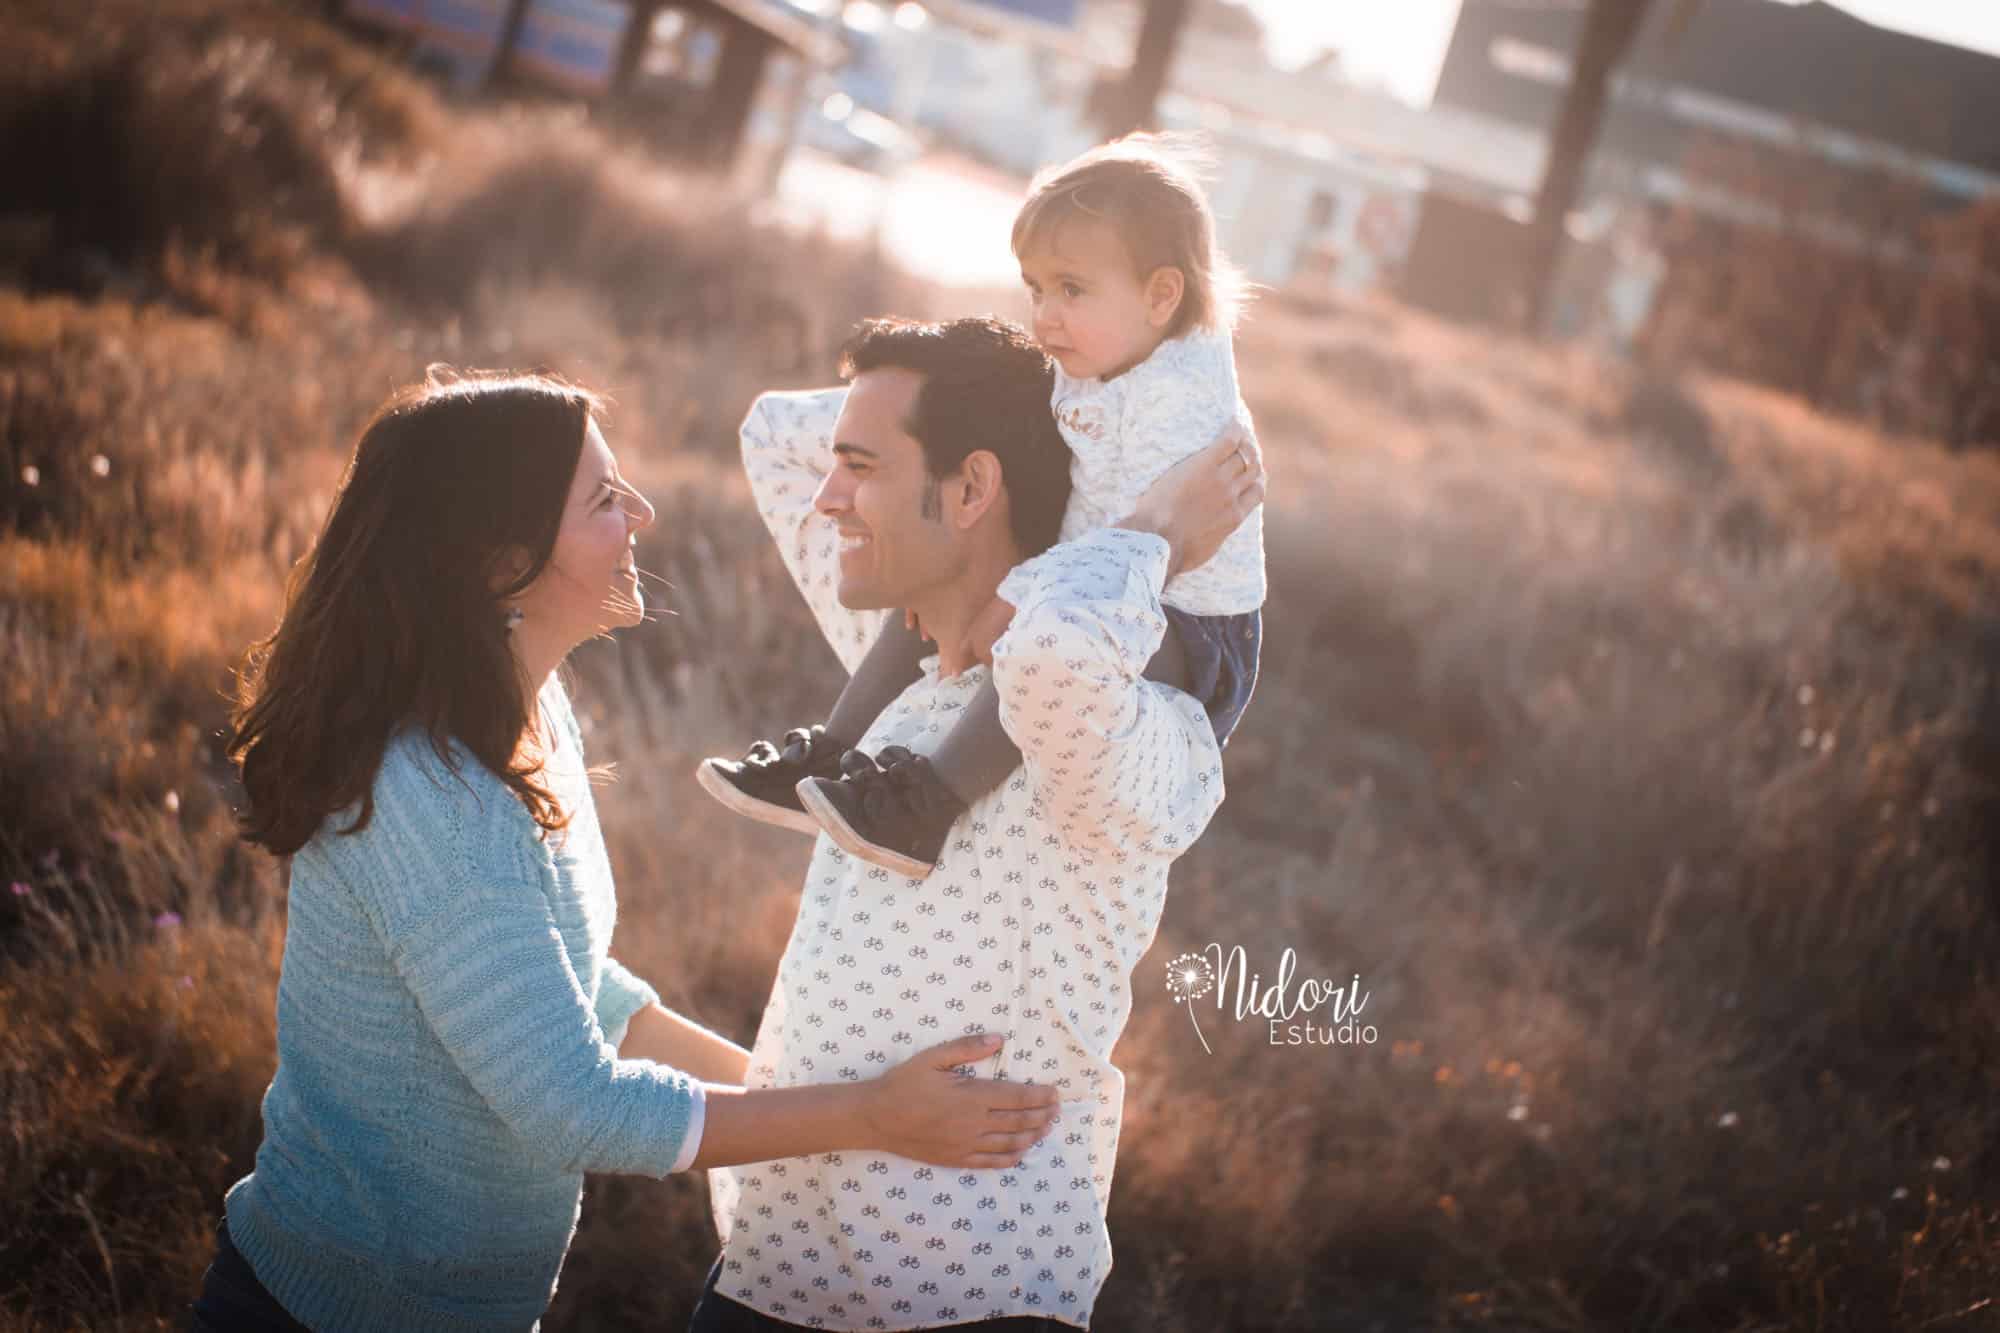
(1135, 303)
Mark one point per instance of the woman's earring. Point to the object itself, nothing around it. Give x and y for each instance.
(514, 617)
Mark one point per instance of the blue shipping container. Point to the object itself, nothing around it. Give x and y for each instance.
(1062, 13)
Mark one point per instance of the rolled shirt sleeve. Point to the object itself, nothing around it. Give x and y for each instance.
(787, 441)
(1123, 764)
(697, 1120)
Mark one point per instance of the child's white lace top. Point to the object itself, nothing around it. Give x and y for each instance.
(1123, 433)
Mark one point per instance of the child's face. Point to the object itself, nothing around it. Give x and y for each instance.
(1091, 309)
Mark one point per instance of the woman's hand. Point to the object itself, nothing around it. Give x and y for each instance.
(1200, 500)
(924, 1110)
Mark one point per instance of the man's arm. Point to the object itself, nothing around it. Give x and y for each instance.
(1124, 765)
(786, 441)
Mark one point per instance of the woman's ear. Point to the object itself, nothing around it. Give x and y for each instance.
(1165, 290)
(976, 487)
(506, 569)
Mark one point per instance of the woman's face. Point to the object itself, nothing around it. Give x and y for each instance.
(591, 583)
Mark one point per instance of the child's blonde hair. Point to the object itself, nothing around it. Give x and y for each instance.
(1147, 188)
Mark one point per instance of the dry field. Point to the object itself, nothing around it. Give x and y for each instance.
(1635, 738)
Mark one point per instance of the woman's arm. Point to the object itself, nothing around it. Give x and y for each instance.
(659, 1034)
(544, 1070)
(919, 1109)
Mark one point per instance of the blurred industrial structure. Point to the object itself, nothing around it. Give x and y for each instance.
(1781, 92)
(1726, 124)
(1324, 182)
(714, 79)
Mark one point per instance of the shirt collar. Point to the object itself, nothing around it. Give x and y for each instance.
(965, 682)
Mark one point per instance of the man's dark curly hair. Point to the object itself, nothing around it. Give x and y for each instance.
(986, 386)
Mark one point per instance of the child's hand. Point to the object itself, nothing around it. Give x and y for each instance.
(986, 629)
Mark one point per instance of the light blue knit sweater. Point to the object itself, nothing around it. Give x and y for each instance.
(447, 1068)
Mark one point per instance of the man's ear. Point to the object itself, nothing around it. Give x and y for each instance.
(977, 487)
(1165, 289)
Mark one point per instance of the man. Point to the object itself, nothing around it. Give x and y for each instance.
(924, 487)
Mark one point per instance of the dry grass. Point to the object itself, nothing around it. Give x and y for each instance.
(1636, 742)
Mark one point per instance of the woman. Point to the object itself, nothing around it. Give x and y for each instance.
(455, 1047)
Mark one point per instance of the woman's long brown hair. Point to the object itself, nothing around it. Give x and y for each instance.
(396, 616)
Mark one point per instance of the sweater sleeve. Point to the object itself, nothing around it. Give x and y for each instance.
(620, 995)
(472, 934)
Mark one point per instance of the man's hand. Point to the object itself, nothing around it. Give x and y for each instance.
(986, 629)
(1203, 498)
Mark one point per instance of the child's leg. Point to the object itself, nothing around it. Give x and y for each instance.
(1170, 661)
(977, 754)
(1219, 655)
(890, 665)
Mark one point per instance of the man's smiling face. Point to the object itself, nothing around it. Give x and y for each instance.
(895, 544)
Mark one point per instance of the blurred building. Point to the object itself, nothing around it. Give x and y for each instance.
(1006, 80)
(1315, 180)
(1746, 112)
(1321, 181)
(712, 80)
(1816, 201)
(1807, 79)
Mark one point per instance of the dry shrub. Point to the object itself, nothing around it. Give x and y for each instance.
(187, 151)
(131, 1087)
(562, 206)
(1844, 287)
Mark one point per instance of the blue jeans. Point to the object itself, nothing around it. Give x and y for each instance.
(1222, 655)
(718, 1314)
(232, 1300)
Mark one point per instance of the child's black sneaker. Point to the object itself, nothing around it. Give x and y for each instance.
(764, 783)
(893, 811)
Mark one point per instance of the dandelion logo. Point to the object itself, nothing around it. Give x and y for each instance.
(1190, 977)
(1297, 1011)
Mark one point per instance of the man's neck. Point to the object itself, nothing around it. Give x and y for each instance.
(948, 612)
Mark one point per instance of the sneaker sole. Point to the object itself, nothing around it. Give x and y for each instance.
(764, 812)
(844, 837)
